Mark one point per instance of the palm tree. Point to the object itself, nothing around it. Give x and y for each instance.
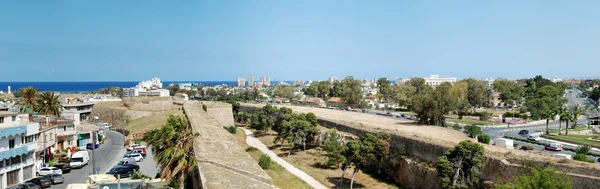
(577, 111)
(548, 115)
(568, 117)
(173, 145)
(48, 103)
(563, 114)
(29, 96)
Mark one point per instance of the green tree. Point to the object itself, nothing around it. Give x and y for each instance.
(354, 157)
(48, 103)
(351, 91)
(385, 89)
(335, 149)
(284, 91)
(461, 166)
(173, 147)
(540, 177)
(511, 92)
(548, 114)
(30, 94)
(473, 131)
(477, 93)
(577, 111)
(595, 94)
(483, 139)
(173, 89)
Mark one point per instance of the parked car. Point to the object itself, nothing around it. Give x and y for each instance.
(55, 178)
(138, 157)
(553, 147)
(127, 161)
(139, 152)
(123, 171)
(132, 147)
(534, 138)
(49, 170)
(42, 181)
(134, 166)
(18, 186)
(524, 132)
(65, 168)
(89, 146)
(31, 185)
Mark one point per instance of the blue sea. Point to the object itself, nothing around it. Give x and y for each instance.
(73, 87)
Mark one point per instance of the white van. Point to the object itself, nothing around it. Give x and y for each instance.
(80, 159)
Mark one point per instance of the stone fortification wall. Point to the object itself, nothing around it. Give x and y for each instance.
(148, 103)
(222, 163)
(418, 170)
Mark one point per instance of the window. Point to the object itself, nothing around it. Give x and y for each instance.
(14, 118)
(1, 119)
(11, 144)
(28, 139)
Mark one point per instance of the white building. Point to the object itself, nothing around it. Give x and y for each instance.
(554, 79)
(332, 79)
(133, 92)
(241, 82)
(18, 142)
(154, 83)
(434, 80)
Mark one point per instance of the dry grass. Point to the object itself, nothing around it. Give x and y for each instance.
(153, 121)
(281, 177)
(312, 162)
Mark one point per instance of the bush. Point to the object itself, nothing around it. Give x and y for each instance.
(232, 129)
(251, 149)
(583, 149)
(526, 147)
(580, 157)
(264, 161)
(515, 145)
(473, 131)
(483, 139)
(456, 126)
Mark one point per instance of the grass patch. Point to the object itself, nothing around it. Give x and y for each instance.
(473, 122)
(578, 128)
(280, 176)
(577, 139)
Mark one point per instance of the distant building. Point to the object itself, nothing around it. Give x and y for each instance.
(434, 80)
(298, 82)
(250, 80)
(154, 83)
(241, 82)
(333, 79)
(554, 79)
(266, 81)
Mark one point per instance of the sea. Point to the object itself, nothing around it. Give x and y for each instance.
(79, 87)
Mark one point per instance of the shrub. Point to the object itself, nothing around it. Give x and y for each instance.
(583, 149)
(264, 161)
(515, 145)
(580, 157)
(526, 147)
(232, 129)
(473, 131)
(251, 149)
(456, 126)
(483, 139)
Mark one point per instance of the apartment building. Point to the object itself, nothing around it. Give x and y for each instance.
(18, 142)
(250, 80)
(241, 82)
(78, 111)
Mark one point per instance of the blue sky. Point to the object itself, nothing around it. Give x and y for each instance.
(290, 40)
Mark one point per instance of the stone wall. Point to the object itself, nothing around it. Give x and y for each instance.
(222, 163)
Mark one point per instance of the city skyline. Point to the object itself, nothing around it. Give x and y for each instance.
(219, 41)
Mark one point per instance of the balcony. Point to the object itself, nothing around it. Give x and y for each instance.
(13, 131)
(17, 151)
(65, 133)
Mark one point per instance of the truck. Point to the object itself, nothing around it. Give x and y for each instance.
(80, 159)
(504, 143)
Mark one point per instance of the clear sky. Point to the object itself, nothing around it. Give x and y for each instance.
(290, 40)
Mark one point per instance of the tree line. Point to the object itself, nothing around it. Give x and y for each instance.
(44, 103)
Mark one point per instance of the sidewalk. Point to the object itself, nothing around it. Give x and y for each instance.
(254, 142)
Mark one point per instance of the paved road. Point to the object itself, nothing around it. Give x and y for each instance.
(106, 155)
(253, 141)
(148, 166)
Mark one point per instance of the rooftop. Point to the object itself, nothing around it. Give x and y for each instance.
(7, 113)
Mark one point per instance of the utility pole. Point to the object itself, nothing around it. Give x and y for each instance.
(44, 133)
(93, 155)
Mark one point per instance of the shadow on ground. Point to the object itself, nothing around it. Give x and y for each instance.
(346, 184)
